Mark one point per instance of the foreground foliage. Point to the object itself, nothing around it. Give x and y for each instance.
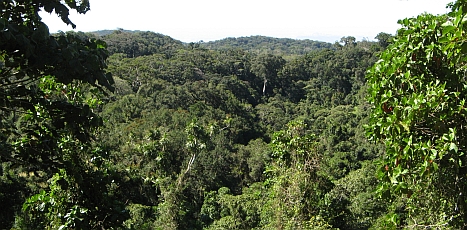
(418, 90)
(49, 94)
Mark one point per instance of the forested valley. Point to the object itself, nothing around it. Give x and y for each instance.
(137, 130)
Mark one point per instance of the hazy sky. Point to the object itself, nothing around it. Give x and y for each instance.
(207, 20)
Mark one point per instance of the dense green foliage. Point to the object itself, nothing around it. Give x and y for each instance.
(418, 90)
(267, 45)
(241, 133)
(49, 97)
(210, 138)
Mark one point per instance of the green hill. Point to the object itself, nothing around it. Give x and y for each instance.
(268, 45)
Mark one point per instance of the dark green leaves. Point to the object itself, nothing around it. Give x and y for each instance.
(62, 9)
(50, 88)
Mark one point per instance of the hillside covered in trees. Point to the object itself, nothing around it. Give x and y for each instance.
(267, 45)
(136, 130)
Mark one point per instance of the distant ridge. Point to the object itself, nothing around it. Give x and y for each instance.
(138, 43)
(107, 32)
(270, 45)
(255, 44)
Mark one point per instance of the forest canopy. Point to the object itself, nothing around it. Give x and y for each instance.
(136, 130)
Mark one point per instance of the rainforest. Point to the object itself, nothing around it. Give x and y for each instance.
(119, 129)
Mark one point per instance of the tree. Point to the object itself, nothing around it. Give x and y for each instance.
(267, 68)
(50, 87)
(384, 39)
(41, 75)
(296, 189)
(418, 92)
(348, 41)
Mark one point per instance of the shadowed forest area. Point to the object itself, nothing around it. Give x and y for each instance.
(136, 130)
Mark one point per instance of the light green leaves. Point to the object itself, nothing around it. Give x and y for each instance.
(418, 94)
(413, 86)
(453, 147)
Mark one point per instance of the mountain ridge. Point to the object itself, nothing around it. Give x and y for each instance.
(256, 44)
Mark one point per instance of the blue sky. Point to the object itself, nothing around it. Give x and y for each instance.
(208, 20)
